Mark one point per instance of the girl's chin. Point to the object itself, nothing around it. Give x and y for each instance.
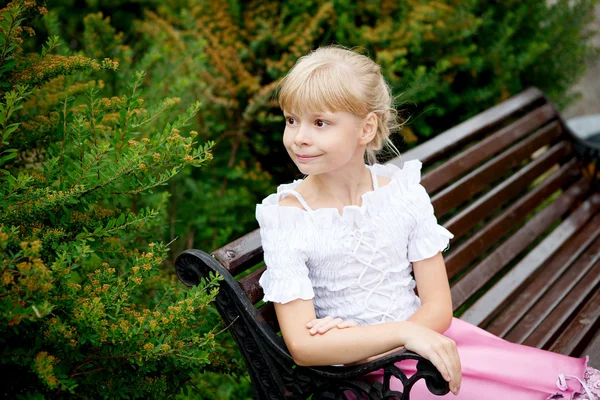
(311, 165)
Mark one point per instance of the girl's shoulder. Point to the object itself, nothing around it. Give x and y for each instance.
(279, 212)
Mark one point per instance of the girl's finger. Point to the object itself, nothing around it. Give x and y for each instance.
(449, 362)
(329, 325)
(458, 364)
(347, 324)
(439, 364)
(452, 353)
(311, 323)
(319, 323)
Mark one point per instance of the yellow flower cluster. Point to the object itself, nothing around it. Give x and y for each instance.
(44, 367)
(54, 65)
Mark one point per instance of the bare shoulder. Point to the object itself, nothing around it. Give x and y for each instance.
(290, 201)
(383, 180)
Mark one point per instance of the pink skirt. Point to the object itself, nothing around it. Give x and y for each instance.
(495, 369)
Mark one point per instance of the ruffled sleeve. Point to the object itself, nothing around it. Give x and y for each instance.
(286, 276)
(427, 236)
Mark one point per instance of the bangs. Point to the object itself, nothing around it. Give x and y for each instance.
(320, 87)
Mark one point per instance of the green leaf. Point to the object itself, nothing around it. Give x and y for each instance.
(110, 224)
(7, 157)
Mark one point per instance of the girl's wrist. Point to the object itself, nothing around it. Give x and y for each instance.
(405, 329)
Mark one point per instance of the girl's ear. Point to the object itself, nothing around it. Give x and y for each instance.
(369, 128)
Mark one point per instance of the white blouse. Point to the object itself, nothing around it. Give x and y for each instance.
(357, 265)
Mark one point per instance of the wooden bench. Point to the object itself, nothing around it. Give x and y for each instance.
(512, 184)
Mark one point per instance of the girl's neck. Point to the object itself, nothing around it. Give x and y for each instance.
(344, 186)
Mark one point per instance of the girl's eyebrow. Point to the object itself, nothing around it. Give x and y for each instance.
(314, 115)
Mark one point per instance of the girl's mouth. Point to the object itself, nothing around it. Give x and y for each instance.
(306, 157)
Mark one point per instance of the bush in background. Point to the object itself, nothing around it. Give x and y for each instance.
(86, 309)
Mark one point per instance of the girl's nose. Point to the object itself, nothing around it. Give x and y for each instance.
(302, 136)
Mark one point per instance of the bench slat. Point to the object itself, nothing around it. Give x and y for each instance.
(489, 234)
(551, 327)
(514, 245)
(551, 272)
(267, 314)
(511, 188)
(482, 273)
(578, 333)
(251, 287)
(435, 148)
(478, 153)
(480, 178)
(545, 306)
(241, 254)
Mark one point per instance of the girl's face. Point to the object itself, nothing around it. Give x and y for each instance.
(322, 142)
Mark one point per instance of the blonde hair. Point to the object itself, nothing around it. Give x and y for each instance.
(333, 78)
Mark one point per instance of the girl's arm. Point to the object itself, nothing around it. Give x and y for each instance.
(434, 291)
(337, 346)
(344, 346)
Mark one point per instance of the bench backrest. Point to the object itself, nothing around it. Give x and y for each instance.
(487, 178)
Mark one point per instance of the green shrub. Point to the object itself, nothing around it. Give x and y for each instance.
(86, 307)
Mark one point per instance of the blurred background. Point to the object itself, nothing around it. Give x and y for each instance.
(76, 105)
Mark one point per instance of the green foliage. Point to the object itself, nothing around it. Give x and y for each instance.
(87, 308)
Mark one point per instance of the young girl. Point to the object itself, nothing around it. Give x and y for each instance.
(340, 245)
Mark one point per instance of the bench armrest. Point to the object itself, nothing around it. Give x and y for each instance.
(346, 376)
(271, 367)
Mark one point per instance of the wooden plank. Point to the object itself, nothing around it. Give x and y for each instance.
(538, 284)
(480, 178)
(558, 290)
(579, 332)
(483, 272)
(503, 289)
(241, 254)
(480, 241)
(478, 153)
(549, 329)
(267, 314)
(510, 188)
(435, 148)
(251, 287)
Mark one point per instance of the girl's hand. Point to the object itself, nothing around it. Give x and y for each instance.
(322, 325)
(438, 349)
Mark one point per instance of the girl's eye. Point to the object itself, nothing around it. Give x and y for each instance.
(320, 123)
(290, 120)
